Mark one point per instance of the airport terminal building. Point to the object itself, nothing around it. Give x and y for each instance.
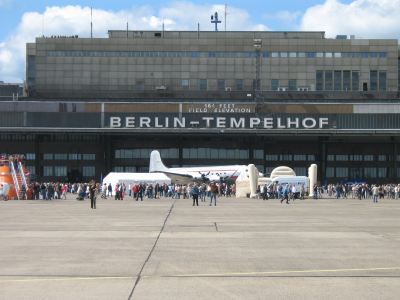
(94, 105)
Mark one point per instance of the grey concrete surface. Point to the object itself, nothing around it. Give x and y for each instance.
(167, 249)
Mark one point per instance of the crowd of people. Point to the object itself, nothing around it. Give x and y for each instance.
(58, 190)
(203, 191)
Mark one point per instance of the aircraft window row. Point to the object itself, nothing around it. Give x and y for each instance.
(217, 54)
(358, 157)
(214, 153)
(144, 153)
(356, 173)
(65, 156)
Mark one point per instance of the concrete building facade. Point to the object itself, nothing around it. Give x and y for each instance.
(268, 98)
(128, 63)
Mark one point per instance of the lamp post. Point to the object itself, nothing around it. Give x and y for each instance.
(257, 43)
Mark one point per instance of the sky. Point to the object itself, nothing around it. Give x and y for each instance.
(23, 20)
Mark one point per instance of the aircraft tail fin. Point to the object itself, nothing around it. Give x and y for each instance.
(156, 164)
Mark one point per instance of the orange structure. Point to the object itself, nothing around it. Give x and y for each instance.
(10, 185)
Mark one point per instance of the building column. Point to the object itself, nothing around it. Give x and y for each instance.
(38, 170)
(321, 159)
(107, 155)
(393, 164)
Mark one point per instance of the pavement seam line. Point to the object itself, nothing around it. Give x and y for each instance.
(233, 274)
(151, 251)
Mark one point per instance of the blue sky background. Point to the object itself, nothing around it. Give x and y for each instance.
(12, 10)
(24, 20)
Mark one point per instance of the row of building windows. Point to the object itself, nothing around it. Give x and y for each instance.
(214, 153)
(143, 169)
(290, 157)
(356, 173)
(187, 153)
(346, 80)
(144, 153)
(68, 156)
(62, 171)
(360, 157)
(224, 54)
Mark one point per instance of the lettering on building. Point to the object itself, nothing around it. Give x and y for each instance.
(219, 122)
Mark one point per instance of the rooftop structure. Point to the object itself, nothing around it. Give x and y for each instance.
(198, 64)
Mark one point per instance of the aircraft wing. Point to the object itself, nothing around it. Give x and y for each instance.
(179, 177)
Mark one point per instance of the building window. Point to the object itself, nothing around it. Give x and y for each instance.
(60, 156)
(328, 80)
(356, 157)
(221, 84)
(355, 80)
(285, 157)
(74, 156)
(258, 154)
(32, 170)
(382, 80)
(382, 157)
(48, 156)
(239, 84)
(30, 156)
(292, 84)
(370, 172)
(268, 171)
(203, 84)
(346, 81)
(271, 157)
(319, 80)
(331, 157)
(60, 171)
(169, 153)
(300, 171)
(185, 83)
(311, 157)
(130, 169)
(299, 157)
(89, 156)
(368, 157)
(330, 172)
(342, 172)
(274, 84)
(274, 54)
(382, 172)
(88, 171)
(47, 171)
(118, 169)
(342, 157)
(373, 79)
(337, 80)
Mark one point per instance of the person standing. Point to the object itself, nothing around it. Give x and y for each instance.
(92, 194)
(375, 193)
(195, 194)
(214, 192)
(285, 194)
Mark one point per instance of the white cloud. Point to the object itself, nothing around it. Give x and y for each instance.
(364, 18)
(72, 20)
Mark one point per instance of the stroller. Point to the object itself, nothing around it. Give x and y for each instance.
(81, 195)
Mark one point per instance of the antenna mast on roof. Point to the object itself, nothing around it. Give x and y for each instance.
(226, 12)
(91, 23)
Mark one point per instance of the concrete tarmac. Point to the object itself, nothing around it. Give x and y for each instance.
(168, 249)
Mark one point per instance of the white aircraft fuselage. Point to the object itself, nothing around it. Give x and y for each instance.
(201, 173)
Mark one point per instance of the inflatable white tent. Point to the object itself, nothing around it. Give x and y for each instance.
(136, 178)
